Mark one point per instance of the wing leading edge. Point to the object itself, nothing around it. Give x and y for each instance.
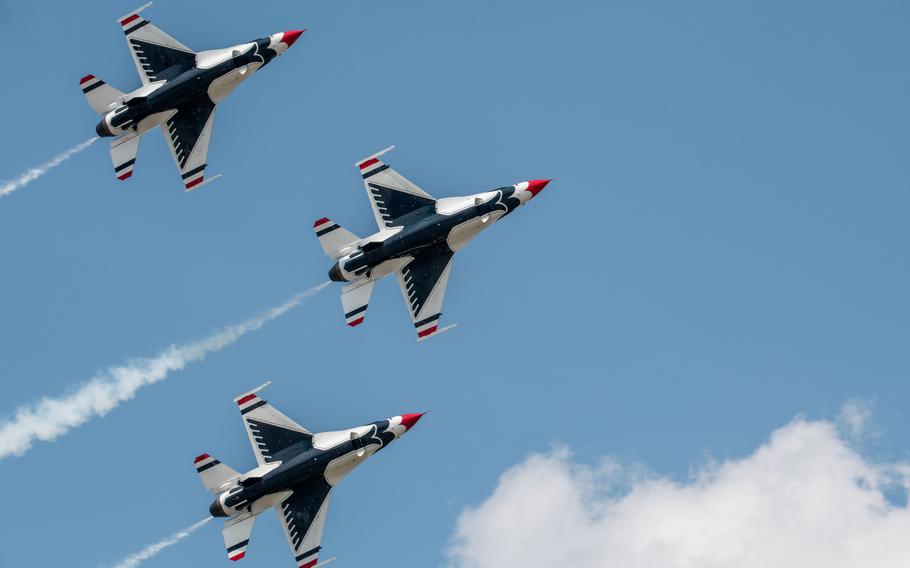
(271, 433)
(188, 133)
(423, 284)
(392, 196)
(302, 517)
(158, 56)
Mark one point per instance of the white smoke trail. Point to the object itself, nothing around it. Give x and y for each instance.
(34, 173)
(51, 418)
(151, 550)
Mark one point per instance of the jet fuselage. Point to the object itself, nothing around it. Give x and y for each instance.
(428, 227)
(325, 458)
(213, 76)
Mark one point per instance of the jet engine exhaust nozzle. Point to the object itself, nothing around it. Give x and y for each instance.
(335, 274)
(102, 130)
(216, 510)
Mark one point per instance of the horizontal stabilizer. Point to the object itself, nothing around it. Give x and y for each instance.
(335, 240)
(100, 96)
(236, 534)
(123, 154)
(354, 299)
(214, 474)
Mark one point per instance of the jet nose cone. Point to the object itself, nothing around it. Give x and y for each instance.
(535, 186)
(408, 420)
(289, 37)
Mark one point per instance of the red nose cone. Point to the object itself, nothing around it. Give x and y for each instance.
(408, 420)
(291, 36)
(535, 186)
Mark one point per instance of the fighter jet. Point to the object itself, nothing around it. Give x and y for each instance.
(417, 239)
(296, 473)
(180, 90)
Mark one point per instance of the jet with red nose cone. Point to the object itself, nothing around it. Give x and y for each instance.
(180, 91)
(417, 240)
(296, 473)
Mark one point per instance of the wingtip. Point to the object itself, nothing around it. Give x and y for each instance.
(199, 182)
(435, 332)
(375, 156)
(133, 13)
(237, 399)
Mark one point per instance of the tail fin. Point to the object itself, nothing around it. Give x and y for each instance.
(214, 474)
(100, 96)
(335, 240)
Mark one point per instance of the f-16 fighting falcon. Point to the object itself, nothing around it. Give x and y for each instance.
(417, 239)
(296, 474)
(179, 92)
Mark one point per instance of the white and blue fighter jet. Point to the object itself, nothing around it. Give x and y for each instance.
(417, 239)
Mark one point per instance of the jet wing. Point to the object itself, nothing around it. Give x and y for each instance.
(158, 56)
(188, 133)
(423, 284)
(391, 195)
(271, 432)
(302, 516)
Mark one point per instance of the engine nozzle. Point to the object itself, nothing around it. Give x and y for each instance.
(335, 274)
(216, 509)
(102, 130)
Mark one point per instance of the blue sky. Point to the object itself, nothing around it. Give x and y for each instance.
(724, 247)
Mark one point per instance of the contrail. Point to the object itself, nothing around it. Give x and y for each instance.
(34, 173)
(151, 550)
(51, 418)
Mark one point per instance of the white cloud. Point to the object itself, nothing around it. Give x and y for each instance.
(50, 418)
(804, 499)
(854, 417)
